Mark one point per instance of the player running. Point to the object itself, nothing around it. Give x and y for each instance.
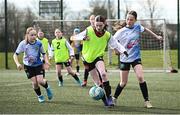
(33, 66)
(63, 54)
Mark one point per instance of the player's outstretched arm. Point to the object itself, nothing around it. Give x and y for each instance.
(80, 36)
(153, 34)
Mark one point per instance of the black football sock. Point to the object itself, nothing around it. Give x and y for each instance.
(38, 91)
(75, 77)
(86, 74)
(118, 91)
(60, 77)
(45, 85)
(107, 88)
(77, 68)
(144, 90)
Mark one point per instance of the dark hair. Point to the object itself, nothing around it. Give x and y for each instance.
(100, 18)
(132, 12)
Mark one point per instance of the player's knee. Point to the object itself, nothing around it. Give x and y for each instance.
(104, 74)
(35, 85)
(59, 73)
(40, 80)
(44, 80)
(71, 72)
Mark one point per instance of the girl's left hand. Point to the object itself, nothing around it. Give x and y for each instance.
(126, 54)
(159, 37)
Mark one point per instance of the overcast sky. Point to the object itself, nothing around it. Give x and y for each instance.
(169, 7)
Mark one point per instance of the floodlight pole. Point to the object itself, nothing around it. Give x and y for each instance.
(119, 16)
(118, 9)
(62, 27)
(6, 35)
(178, 34)
(110, 30)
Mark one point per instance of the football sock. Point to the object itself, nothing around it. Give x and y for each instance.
(45, 85)
(76, 77)
(38, 91)
(107, 88)
(77, 68)
(118, 91)
(43, 73)
(104, 99)
(144, 90)
(86, 74)
(60, 78)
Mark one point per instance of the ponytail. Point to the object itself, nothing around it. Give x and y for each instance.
(118, 25)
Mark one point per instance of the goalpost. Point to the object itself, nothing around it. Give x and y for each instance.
(155, 54)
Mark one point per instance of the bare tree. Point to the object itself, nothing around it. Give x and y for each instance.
(99, 7)
(2, 26)
(151, 10)
(18, 20)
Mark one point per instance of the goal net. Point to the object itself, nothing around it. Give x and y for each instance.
(155, 54)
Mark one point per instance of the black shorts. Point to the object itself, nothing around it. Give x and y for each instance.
(77, 56)
(126, 66)
(91, 66)
(33, 71)
(67, 64)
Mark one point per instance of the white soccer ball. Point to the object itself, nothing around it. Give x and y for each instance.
(96, 92)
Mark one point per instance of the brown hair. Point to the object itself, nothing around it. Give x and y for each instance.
(118, 25)
(100, 18)
(132, 12)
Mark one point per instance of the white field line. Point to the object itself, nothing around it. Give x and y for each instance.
(117, 71)
(81, 72)
(29, 82)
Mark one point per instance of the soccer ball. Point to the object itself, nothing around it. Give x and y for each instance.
(96, 93)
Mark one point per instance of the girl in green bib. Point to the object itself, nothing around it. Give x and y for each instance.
(63, 54)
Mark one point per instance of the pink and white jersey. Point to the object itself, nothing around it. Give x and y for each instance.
(130, 38)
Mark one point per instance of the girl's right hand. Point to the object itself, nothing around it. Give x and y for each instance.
(71, 59)
(86, 38)
(46, 66)
(19, 67)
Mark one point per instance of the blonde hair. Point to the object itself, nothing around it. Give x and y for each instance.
(57, 29)
(27, 32)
